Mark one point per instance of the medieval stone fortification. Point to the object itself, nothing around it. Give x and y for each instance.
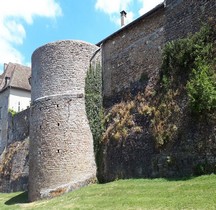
(136, 49)
(133, 55)
(61, 145)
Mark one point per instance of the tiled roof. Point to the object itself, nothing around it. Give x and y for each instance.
(16, 76)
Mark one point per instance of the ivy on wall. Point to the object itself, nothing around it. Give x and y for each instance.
(191, 62)
(94, 103)
(188, 74)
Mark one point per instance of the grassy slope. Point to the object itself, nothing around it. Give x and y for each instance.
(196, 193)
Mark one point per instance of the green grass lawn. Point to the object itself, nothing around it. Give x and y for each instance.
(194, 193)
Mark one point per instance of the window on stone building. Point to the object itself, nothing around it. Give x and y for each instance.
(18, 106)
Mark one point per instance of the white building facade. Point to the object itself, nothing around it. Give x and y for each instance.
(19, 99)
(15, 95)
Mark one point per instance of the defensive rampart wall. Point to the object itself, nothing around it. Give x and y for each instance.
(61, 144)
(135, 51)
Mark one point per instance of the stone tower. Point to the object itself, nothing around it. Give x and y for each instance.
(61, 144)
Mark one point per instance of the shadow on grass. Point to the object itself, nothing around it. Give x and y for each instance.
(21, 198)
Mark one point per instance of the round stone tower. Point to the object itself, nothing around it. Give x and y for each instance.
(61, 144)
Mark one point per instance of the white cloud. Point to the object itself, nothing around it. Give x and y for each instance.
(9, 54)
(113, 9)
(13, 13)
(148, 5)
(112, 6)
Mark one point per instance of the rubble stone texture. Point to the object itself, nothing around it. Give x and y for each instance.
(61, 143)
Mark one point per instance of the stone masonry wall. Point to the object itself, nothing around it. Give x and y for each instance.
(187, 16)
(193, 151)
(14, 167)
(4, 119)
(133, 51)
(14, 162)
(61, 144)
(18, 126)
(136, 49)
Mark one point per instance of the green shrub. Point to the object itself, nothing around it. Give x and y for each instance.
(12, 112)
(188, 69)
(201, 89)
(190, 63)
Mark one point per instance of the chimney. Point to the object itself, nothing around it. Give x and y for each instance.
(7, 80)
(5, 66)
(123, 16)
(29, 80)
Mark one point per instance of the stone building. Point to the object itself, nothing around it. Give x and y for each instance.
(135, 51)
(131, 59)
(15, 94)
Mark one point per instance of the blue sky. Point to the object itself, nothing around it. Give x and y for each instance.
(28, 24)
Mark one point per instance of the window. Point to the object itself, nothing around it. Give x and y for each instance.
(18, 106)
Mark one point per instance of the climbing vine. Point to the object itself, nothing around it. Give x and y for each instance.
(187, 74)
(94, 103)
